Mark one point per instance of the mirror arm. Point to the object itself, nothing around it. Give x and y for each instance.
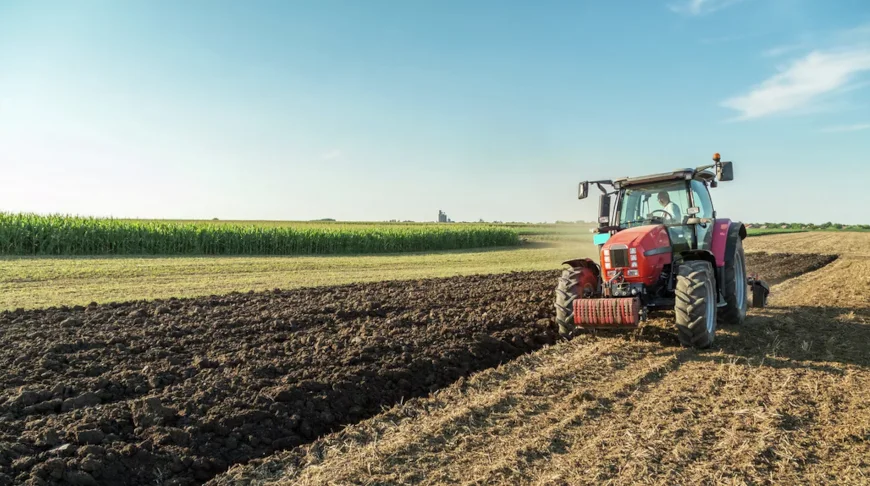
(600, 186)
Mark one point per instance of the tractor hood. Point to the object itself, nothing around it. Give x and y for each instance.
(639, 253)
(632, 237)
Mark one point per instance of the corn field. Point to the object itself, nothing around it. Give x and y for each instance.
(31, 234)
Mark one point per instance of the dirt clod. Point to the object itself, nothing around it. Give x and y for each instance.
(79, 478)
(49, 438)
(93, 436)
(150, 412)
(71, 322)
(88, 399)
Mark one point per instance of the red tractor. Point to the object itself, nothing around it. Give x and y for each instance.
(678, 256)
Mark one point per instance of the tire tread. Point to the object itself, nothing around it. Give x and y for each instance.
(690, 304)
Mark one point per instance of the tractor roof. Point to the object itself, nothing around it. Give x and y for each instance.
(677, 175)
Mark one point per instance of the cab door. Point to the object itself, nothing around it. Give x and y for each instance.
(701, 200)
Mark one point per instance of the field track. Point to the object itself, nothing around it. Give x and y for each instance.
(175, 392)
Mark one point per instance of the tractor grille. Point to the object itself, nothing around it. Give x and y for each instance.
(619, 258)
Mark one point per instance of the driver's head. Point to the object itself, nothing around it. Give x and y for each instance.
(664, 198)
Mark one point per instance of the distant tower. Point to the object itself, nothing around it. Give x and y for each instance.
(442, 216)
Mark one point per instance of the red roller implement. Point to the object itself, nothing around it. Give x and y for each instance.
(604, 313)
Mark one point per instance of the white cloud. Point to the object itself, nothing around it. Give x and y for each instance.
(700, 7)
(332, 154)
(847, 128)
(802, 83)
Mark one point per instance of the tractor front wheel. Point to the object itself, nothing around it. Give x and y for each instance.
(567, 292)
(695, 305)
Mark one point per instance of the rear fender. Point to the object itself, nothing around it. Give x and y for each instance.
(726, 234)
(736, 232)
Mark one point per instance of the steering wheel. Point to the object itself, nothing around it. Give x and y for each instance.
(670, 216)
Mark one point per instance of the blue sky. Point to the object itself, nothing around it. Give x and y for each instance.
(374, 110)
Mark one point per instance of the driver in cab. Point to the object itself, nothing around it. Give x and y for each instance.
(673, 215)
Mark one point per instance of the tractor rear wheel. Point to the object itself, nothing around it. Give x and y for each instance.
(567, 292)
(695, 304)
(736, 295)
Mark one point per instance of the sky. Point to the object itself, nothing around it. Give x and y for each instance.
(377, 110)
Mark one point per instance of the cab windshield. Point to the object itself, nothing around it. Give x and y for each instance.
(659, 203)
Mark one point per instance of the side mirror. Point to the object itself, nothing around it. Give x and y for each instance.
(583, 190)
(603, 210)
(725, 172)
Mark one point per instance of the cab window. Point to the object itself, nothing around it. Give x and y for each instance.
(664, 202)
(701, 197)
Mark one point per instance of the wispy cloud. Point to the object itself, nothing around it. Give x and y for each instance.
(781, 50)
(805, 81)
(700, 7)
(332, 154)
(731, 38)
(846, 128)
(860, 33)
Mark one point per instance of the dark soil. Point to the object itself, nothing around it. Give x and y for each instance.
(774, 268)
(176, 391)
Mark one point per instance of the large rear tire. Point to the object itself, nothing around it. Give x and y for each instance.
(567, 291)
(695, 304)
(736, 289)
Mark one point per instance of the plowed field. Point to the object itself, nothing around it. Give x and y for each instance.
(780, 400)
(178, 391)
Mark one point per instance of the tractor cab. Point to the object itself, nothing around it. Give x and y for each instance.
(679, 200)
(661, 246)
(673, 204)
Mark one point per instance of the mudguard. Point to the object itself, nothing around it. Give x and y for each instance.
(726, 234)
(736, 232)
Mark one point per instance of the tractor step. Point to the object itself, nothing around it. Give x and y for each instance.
(607, 313)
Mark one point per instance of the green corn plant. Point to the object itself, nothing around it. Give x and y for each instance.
(31, 234)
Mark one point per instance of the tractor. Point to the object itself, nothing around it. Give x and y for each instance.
(661, 247)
